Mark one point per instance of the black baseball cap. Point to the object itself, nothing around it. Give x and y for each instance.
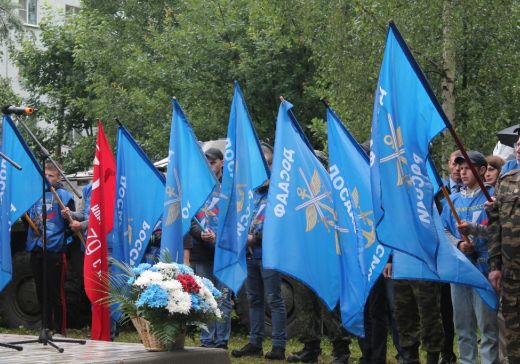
(213, 154)
(475, 157)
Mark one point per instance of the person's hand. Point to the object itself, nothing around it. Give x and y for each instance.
(467, 248)
(488, 206)
(208, 236)
(463, 227)
(75, 226)
(495, 278)
(387, 270)
(65, 213)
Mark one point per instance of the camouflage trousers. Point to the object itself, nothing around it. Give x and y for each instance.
(418, 314)
(511, 312)
(314, 318)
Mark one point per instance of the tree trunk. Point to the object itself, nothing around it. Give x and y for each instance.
(448, 74)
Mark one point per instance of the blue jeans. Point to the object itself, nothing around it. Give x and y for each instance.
(468, 311)
(268, 281)
(218, 331)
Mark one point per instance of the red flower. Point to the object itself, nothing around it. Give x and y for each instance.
(188, 283)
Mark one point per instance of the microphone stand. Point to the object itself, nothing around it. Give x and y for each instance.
(17, 166)
(45, 337)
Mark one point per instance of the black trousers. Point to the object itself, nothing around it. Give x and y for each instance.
(373, 346)
(55, 305)
(447, 321)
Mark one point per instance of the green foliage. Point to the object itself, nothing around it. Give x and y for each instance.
(128, 58)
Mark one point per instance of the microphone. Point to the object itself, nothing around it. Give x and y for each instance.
(17, 110)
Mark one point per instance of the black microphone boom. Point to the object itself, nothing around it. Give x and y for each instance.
(17, 110)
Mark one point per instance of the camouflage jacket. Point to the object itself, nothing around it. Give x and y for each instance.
(504, 226)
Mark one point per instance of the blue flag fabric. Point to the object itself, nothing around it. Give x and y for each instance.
(19, 190)
(452, 267)
(300, 236)
(406, 118)
(244, 171)
(189, 182)
(139, 198)
(363, 257)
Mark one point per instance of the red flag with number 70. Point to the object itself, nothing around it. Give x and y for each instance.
(101, 221)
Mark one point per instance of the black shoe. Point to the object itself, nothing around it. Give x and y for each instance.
(305, 355)
(222, 346)
(340, 359)
(276, 353)
(247, 350)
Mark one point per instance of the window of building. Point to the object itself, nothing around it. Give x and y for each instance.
(28, 11)
(71, 10)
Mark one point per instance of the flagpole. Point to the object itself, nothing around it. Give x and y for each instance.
(454, 211)
(447, 122)
(32, 224)
(69, 219)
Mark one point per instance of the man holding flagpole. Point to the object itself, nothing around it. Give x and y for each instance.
(202, 253)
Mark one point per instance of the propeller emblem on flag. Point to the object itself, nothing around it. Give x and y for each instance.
(174, 201)
(314, 206)
(369, 235)
(395, 141)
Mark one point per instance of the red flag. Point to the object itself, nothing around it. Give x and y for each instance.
(100, 223)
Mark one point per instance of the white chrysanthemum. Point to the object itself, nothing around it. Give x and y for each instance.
(168, 270)
(179, 302)
(171, 285)
(147, 278)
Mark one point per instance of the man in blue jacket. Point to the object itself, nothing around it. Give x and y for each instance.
(56, 244)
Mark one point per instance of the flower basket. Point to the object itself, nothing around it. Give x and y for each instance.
(165, 302)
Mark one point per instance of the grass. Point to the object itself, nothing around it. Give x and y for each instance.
(237, 341)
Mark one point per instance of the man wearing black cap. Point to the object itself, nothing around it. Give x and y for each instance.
(468, 308)
(202, 251)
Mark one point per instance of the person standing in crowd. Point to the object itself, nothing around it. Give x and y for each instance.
(469, 309)
(56, 236)
(495, 164)
(504, 255)
(313, 316)
(514, 163)
(262, 281)
(202, 253)
(454, 184)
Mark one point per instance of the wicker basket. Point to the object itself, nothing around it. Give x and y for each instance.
(150, 342)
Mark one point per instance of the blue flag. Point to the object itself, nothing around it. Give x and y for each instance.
(139, 198)
(244, 171)
(189, 182)
(19, 190)
(362, 258)
(301, 232)
(406, 118)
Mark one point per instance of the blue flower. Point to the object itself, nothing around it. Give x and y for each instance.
(131, 280)
(184, 269)
(196, 302)
(140, 268)
(153, 297)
